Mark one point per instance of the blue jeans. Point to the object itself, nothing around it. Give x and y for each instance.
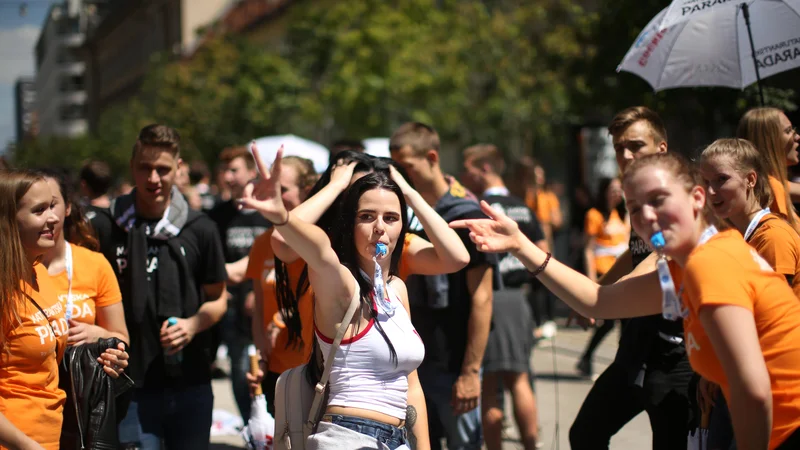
(181, 417)
(389, 435)
(461, 431)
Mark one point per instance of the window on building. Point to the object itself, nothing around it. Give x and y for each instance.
(71, 83)
(73, 111)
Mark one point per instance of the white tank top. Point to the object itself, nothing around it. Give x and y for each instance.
(363, 374)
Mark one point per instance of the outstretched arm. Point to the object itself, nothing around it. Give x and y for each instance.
(309, 241)
(312, 209)
(445, 253)
(633, 297)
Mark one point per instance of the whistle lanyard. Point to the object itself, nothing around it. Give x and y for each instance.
(751, 228)
(671, 306)
(68, 266)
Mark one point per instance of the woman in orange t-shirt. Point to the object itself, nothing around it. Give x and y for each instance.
(606, 231)
(84, 280)
(741, 319)
(739, 192)
(30, 400)
(773, 135)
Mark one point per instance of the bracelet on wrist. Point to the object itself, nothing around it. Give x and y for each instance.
(288, 214)
(541, 268)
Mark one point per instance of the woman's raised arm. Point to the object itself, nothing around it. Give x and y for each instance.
(633, 297)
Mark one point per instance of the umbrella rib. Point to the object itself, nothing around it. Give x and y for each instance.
(739, 47)
(669, 52)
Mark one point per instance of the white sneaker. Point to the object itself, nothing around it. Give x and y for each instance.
(549, 330)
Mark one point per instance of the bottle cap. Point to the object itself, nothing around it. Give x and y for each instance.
(381, 249)
(172, 321)
(657, 240)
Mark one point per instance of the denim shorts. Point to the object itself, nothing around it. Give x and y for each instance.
(386, 434)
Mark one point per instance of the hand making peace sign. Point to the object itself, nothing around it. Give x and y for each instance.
(264, 193)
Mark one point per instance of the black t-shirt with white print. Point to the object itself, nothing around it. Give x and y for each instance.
(512, 271)
(238, 230)
(651, 341)
(202, 250)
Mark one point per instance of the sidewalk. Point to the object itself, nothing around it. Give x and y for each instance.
(559, 394)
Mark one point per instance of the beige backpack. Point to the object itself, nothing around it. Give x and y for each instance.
(298, 404)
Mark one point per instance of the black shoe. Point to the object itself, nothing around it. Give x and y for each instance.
(584, 367)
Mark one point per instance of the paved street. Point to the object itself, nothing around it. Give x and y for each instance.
(571, 390)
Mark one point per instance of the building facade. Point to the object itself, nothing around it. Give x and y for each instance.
(120, 51)
(25, 108)
(60, 70)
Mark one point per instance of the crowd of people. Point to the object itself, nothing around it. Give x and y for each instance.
(453, 280)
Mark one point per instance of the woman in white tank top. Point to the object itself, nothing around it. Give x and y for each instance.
(374, 380)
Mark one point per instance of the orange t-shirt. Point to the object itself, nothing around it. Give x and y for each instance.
(778, 204)
(260, 269)
(777, 242)
(611, 238)
(94, 285)
(542, 203)
(29, 394)
(726, 271)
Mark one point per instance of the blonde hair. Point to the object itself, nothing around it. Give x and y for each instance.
(306, 174)
(682, 170)
(762, 127)
(745, 158)
(14, 184)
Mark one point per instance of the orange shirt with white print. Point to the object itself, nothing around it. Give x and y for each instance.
(727, 271)
(779, 204)
(777, 242)
(29, 394)
(261, 270)
(94, 285)
(610, 235)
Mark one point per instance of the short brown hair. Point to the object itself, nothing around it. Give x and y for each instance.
(629, 116)
(486, 154)
(97, 176)
(306, 175)
(229, 154)
(158, 136)
(417, 135)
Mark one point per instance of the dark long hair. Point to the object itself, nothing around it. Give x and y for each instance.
(288, 296)
(77, 230)
(342, 236)
(601, 202)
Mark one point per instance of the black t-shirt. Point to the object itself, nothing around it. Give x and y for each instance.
(512, 271)
(444, 330)
(644, 339)
(238, 230)
(202, 250)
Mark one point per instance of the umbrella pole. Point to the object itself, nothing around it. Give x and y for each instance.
(746, 13)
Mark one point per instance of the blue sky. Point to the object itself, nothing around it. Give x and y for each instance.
(18, 37)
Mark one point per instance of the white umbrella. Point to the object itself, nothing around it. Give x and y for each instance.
(714, 48)
(293, 145)
(377, 146)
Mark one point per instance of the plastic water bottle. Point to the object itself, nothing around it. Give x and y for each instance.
(173, 363)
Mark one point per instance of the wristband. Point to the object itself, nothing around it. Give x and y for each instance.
(541, 268)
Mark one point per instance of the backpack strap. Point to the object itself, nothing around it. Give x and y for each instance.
(326, 373)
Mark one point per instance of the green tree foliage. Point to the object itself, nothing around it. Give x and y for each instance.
(476, 70)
